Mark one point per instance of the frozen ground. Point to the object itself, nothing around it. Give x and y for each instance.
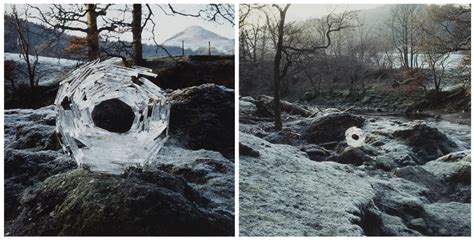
(50, 70)
(411, 178)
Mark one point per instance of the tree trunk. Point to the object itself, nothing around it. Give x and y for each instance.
(276, 68)
(137, 49)
(92, 32)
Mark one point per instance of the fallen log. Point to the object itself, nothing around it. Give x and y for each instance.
(265, 106)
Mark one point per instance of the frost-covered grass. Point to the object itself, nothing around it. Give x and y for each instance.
(50, 70)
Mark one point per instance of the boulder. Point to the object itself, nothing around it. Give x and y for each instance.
(203, 117)
(138, 203)
(417, 174)
(208, 172)
(427, 143)
(30, 153)
(25, 168)
(453, 170)
(245, 150)
(401, 198)
(448, 219)
(331, 127)
(394, 226)
(247, 106)
(31, 129)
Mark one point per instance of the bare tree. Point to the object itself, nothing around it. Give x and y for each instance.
(137, 49)
(277, 73)
(292, 44)
(212, 12)
(79, 18)
(404, 32)
(444, 29)
(23, 35)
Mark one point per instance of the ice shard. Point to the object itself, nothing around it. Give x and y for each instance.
(110, 116)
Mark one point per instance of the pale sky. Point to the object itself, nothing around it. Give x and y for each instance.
(299, 12)
(166, 26)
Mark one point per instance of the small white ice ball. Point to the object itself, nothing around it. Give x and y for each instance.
(355, 137)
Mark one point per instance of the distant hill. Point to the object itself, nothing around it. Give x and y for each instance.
(39, 35)
(197, 38)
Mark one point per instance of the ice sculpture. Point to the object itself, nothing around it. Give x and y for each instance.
(110, 116)
(355, 137)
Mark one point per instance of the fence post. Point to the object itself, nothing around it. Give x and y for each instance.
(182, 47)
(209, 48)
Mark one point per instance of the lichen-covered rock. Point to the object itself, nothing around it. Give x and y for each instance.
(139, 203)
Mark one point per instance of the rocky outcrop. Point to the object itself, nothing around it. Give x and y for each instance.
(30, 153)
(453, 170)
(183, 192)
(331, 127)
(448, 219)
(426, 142)
(284, 191)
(183, 72)
(138, 203)
(203, 117)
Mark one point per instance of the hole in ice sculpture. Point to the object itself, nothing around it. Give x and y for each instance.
(66, 104)
(355, 136)
(113, 115)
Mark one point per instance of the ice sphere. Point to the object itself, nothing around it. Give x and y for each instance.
(355, 137)
(110, 116)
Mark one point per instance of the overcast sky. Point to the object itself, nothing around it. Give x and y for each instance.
(304, 11)
(167, 26)
(298, 12)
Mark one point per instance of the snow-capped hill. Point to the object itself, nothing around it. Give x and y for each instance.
(198, 38)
